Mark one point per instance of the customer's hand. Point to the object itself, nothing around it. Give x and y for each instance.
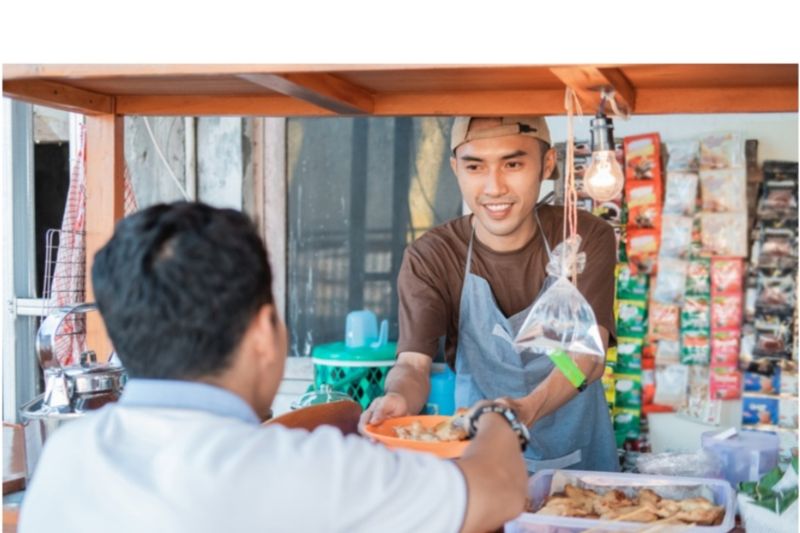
(391, 405)
(522, 408)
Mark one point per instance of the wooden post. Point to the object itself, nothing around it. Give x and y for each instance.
(104, 206)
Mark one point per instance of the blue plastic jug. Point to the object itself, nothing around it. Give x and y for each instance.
(442, 399)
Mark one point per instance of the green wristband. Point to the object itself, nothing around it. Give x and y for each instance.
(568, 367)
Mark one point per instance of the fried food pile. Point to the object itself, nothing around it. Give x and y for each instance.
(452, 429)
(647, 507)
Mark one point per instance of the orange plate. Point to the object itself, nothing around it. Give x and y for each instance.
(384, 432)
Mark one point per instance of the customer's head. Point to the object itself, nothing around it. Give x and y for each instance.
(183, 289)
(500, 163)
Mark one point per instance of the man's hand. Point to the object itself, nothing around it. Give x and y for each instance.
(391, 405)
(525, 411)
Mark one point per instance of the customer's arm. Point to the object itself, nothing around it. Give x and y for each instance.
(407, 387)
(495, 474)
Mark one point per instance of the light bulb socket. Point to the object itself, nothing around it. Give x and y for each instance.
(602, 133)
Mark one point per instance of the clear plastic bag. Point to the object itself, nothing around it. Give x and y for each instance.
(681, 197)
(698, 464)
(562, 319)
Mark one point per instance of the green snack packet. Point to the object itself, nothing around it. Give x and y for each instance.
(696, 315)
(628, 391)
(632, 318)
(629, 355)
(626, 424)
(630, 286)
(695, 349)
(698, 277)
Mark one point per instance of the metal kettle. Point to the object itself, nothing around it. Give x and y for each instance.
(69, 391)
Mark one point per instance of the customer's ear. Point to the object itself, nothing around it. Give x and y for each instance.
(549, 165)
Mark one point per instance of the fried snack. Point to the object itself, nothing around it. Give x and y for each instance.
(645, 507)
(450, 430)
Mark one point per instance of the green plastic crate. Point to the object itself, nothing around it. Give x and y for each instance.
(358, 372)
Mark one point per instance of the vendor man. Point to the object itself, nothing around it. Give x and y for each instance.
(473, 280)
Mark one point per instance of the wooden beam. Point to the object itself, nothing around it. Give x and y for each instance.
(474, 103)
(717, 100)
(59, 96)
(485, 103)
(239, 105)
(25, 71)
(104, 206)
(323, 90)
(587, 81)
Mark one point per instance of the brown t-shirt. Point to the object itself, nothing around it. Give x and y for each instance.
(432, 275)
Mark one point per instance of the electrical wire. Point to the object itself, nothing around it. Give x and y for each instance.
(164, 160)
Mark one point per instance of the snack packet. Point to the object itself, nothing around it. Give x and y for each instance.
(671, 385)
(683, 155)
(726, 383)
(643, 250)
(676, 236)
(698, 277)
(631, 318)
(681, 195)
(643, 157)
(723, 150)
(671, 281)
(696, 315)
(726, 311)
(695, 349)
(724, 190)
(629, 355)
(664, 321)
(776, 291)
(630, 286)
(668, 352)
(724, 234)
(644, 204)
(726, 275)
(725, 348)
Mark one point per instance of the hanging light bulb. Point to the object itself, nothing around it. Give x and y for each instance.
(604, 178)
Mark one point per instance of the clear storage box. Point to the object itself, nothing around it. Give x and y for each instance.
(539, 489)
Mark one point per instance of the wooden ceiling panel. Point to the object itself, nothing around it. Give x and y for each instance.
(696, 76)
(169, 85)
(454, 79)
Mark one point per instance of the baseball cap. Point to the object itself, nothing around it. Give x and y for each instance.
(535, 127)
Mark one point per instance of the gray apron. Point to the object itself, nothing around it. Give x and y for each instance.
(578, 435)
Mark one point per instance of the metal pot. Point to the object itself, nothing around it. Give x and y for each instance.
(69, 391)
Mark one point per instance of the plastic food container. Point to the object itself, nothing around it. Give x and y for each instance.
(746, 456)
(539, 490)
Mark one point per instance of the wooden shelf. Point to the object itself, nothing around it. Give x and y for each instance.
(395, 90)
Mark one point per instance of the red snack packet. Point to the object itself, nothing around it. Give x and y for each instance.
(725, 384)
(726, 275)
(644, 204)
(643, 157)
(726, 311)
(642, 249)
(664, 321)
(725, 348)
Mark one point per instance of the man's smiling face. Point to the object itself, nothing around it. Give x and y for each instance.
(500, 178)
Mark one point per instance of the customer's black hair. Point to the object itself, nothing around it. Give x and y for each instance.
(177, 286)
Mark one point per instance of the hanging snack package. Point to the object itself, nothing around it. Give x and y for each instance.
(725, 348)
(664, 321)
(670, 281)
(724, 234)
(698, 277)
(724, 150)
(696, 315)
(630, 286)
(631, 318)
(776, 291)
(629, 391)
(643, 250)
(726, 311)
(668, 353)
(629, 355)
(676, 236)
(561, 322)
(683, 155)
(778, 200)
(644, 204)
(724, 190)
(695, 349)
(643, 157)
(681, 195)
(726, 384)
(671, 385)
(727, 274)
(773, 337)
(776, 248)
(627, 424)
(700, 405)
(608, 383)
